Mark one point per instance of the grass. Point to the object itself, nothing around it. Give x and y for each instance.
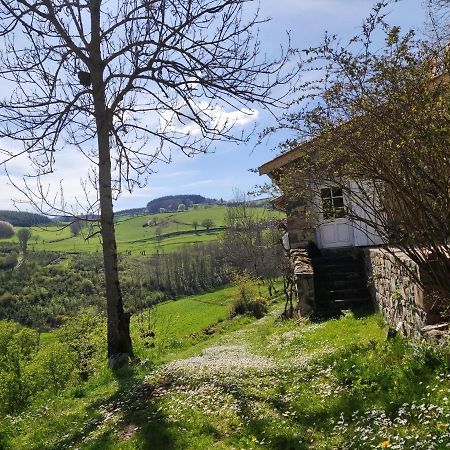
(133, 235)
(179, 324)
(216, 382)
(178, 328)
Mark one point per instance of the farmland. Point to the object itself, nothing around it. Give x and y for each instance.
(147, 233)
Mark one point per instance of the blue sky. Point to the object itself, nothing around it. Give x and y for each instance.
(218, 174)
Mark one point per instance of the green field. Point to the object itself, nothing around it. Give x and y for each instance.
(179, 324)
(215, 382)
(135, 235)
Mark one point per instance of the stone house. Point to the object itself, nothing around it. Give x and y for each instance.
(340, 263)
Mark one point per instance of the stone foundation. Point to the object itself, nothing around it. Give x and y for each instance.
(304, 281)
(300, 230)
(405, 305)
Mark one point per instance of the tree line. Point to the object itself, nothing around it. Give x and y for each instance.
(23, 218)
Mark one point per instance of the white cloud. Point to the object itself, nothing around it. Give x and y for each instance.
(215, 117)
(70, 170)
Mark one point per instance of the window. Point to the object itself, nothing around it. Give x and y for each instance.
(332, 203)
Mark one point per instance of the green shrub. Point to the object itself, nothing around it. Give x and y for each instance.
(7, 299)
(17, 347)
(256, 307)
(8, 262)
(87, 287)
(52, 367)
(6, 230)
(247, 299)
(85, 335)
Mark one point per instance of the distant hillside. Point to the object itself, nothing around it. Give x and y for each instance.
(171, 202)
(131, 212)
(23, 219)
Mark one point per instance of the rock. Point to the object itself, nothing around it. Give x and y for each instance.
(444, 326)
(391, 334)
(118, 360)
(438, 333)
(145, 363)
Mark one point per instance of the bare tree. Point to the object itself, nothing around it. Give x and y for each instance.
(121, 81)
(439, 20)
(251, 240)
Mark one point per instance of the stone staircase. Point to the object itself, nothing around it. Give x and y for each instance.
(340, 281)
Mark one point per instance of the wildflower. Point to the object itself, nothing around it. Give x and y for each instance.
(442, 426)
(385, 444)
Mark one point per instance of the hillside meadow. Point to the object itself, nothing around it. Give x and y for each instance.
(206, 380)
(146, 233)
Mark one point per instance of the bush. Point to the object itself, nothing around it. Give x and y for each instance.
(53, 367)
(85, 335)
(17, 347)
(8, 262)
(27, 369)
(6, 230)
(75, 227)
(208, 224)
(256, 308)
(247, 299)
(87, 287)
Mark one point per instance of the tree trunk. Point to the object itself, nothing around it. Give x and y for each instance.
(119, 340)
(118, 322)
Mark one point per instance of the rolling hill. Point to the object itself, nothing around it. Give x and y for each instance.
(141, 234)
(23, 219)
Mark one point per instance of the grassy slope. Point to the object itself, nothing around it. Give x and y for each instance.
(253, 384)
(177, 323)
(177, 326)
(132, 235)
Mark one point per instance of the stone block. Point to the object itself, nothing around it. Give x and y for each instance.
(305, 294)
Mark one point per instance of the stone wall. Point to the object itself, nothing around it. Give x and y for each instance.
(405, 305)
(304, 281)
(299, 227)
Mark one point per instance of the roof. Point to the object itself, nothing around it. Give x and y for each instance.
(279, 161)
(280, 203)
(285, 158)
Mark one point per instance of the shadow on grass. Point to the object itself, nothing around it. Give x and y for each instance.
(275, 435)
(358, 312)
(131, 418)
(368, 386)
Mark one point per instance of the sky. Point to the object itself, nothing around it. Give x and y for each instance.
(220, 173)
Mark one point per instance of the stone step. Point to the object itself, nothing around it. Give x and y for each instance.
(341, 283)
(343, 303)
(349, 293)
(337, 268)
(327, 260)
(351, 301)
(338, 276)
